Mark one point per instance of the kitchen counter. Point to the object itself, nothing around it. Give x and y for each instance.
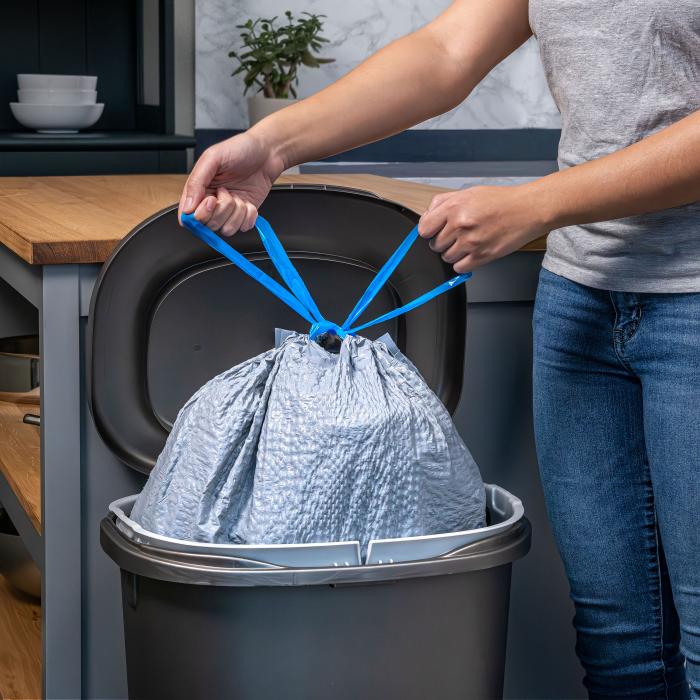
(68, 220)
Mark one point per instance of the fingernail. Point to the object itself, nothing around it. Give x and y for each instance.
(188, 204)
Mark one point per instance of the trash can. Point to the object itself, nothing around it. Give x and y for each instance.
(207, 626)
(219, 621)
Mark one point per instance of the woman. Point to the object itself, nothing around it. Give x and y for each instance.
(617, 317)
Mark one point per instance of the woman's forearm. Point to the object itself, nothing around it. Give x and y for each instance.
(417, 77)
(658, 172)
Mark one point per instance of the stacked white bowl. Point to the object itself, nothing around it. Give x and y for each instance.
(56, 104)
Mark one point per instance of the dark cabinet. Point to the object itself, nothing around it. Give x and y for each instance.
(129, 45)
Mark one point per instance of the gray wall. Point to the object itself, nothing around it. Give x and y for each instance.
(515, 95)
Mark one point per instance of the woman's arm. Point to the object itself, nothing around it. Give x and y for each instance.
(658, 172)
(419, 76)
(412, 79)
(475, 226)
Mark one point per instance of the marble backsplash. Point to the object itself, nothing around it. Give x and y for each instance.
(513, 96)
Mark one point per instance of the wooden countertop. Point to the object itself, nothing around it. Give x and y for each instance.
(80, 219)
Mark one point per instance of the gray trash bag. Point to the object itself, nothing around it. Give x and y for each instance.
(302, 445)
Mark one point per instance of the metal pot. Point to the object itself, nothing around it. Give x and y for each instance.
(19, 369)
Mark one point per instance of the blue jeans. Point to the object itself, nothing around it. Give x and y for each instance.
(617, 422)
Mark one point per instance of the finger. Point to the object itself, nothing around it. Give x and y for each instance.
(445, 239)
(205, 209)
(251, 214)
(226, 203)
(233, 224)
(196, 186)
(432, 222)
(467, 264)
(438, 199)
(455, 252)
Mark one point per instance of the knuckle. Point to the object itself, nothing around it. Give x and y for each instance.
(475, 240)
(436, 201)
(468, 238)
(463, 219)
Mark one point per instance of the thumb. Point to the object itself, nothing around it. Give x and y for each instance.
(200, 178)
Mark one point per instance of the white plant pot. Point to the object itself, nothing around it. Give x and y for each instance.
(260, 107)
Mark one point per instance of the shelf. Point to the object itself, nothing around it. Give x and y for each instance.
(20, 460)
(20, 645)
(93, 141)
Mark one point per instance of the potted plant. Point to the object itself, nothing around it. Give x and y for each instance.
(271, 57)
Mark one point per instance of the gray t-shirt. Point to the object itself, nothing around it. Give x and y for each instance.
(620, 70)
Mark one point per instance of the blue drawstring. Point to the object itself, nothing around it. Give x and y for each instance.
(441, 289)
(299, 298)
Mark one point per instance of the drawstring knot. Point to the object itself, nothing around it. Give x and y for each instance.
(324, 326)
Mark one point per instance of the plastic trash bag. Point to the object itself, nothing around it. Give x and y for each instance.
(302, 445)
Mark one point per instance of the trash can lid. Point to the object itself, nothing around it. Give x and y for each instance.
(168, 313)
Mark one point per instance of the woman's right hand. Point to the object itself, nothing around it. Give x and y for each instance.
(229, 182)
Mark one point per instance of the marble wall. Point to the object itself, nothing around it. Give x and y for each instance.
(513, 96)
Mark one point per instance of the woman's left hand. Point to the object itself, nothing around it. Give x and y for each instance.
(472, 227)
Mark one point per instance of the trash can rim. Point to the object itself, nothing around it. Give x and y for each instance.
(150, 561)
(508, 510)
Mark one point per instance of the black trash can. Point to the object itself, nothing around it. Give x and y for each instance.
(206, 626)
(168, 314)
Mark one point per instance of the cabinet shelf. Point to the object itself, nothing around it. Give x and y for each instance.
(20, 460)
(93, 141)
(20, 642)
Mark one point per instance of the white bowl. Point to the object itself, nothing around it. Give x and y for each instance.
(57, 97)
(35, 81)
(56, 119)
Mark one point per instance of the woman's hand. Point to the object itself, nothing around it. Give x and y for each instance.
(229, 182)
(472, 227)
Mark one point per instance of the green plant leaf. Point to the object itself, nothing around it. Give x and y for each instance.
(309, 60)
(276, 52)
